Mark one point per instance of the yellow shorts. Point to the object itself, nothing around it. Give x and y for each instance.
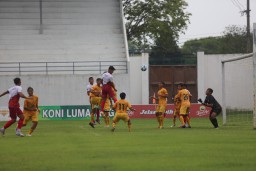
(121, 116)
(30, 116)
(95, 102)
(107, 105)
(184, 109)
(161, 109)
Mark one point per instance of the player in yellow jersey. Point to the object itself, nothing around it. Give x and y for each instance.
(31, 110)
(107, 109)
(184, 96)
(121, 107)
(177, 105)
(162, 95)
(95, 96)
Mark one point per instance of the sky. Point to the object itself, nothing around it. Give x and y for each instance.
(210, 17)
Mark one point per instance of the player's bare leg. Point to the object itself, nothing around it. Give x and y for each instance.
(129, 125)
(33, 127)
(98, 116)
(158, 119)
(92, 119)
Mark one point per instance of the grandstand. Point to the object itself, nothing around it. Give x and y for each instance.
(62, 31)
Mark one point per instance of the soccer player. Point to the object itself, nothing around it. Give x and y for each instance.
(121, 112)
(14, 107)
(31, 110)
(162, 95)
(95, 96)
(177, 105)
(211, 102)
(184, 96)
(107, 109)
(108, 86)
(88, 88)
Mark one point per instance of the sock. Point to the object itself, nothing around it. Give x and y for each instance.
(113, 124)
(188, 120)
(158, 120)
(129, 127)
(9, 123)
(30, 131)
(161, 118)
(214, 122)
(20, 123)
(92, 118)
(98, 115)
(182, 120)
(174, 120)
(108, 120)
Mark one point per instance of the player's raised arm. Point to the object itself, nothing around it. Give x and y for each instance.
(23, 96)
(4, 93)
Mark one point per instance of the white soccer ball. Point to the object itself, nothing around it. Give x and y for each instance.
(144, 68)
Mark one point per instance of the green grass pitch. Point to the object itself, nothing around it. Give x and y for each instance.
(73, 145)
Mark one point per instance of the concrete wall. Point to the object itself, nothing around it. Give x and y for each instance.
(239, 79)
(139, 83)
(71, 89)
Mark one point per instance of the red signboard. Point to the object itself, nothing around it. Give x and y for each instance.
(148, 111)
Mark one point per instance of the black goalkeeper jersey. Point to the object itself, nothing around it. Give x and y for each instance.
(211, 100)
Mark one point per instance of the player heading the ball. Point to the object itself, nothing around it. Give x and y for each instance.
(108, 86)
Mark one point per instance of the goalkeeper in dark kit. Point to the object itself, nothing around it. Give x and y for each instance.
(211, 102)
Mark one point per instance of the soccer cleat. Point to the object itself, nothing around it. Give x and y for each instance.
(19, 133)
(189, 127)
(2, 130)
(106, 126)
(216, 128)
(182, 126)
(173, 126)
(92, 125)
(113, 129)
(28, 135)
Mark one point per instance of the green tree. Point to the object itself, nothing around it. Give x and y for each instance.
(157, 23)
(234, 40)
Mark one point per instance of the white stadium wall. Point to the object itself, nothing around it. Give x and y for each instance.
(239, 79)
(55, 90)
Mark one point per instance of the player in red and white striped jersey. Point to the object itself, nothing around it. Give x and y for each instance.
(14, 107)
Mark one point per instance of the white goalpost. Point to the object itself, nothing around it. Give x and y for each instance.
(238, 69)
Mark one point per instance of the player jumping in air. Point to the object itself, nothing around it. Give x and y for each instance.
(177, 105)
(88, 88)
(121, 112)
(107, 109)
(14, 107)
(95, 96)
(31, 110)
(211, 102)
(108, 87)
(162, 95)
(184, 96)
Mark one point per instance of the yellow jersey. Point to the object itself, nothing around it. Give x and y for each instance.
(95, 88)
(160, 93)
(184, 96)
(121, 106)
(177, 102)
(31, 103)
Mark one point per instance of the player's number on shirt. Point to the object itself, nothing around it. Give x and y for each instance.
(185, 96)
(121, 107)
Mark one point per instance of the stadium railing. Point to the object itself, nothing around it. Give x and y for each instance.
(75, 67)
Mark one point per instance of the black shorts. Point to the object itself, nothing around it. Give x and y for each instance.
(216, 110)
